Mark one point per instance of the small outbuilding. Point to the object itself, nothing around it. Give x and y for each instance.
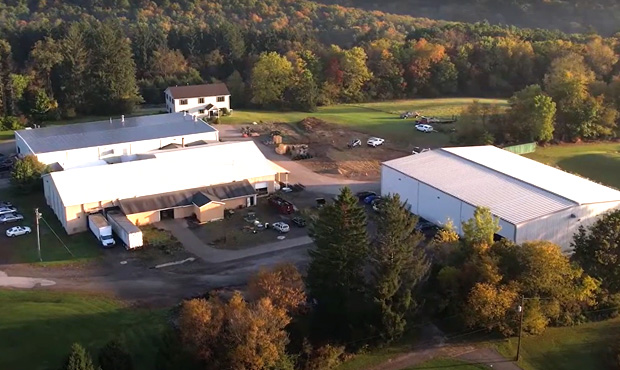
(533, 201)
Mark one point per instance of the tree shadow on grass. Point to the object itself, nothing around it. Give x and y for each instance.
(43, 341)
(602, 168)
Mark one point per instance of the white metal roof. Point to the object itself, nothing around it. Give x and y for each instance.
(515, 188)
(169, 171)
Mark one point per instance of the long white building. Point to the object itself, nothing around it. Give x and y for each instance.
(94, 143)
(533, 201)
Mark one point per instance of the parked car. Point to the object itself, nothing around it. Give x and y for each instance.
(6, 204)
(300, 222)
(18, 231)
(281, 227)
(354, 143)
(375, 141)
(363, 194)
(370, 198)
(283, 206)
(8, 209)
(424, 128)
(10, 217)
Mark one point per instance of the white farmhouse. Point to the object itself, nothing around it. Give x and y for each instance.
(201, 100)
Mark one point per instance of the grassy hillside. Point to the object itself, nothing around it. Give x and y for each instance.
(37, 328)
(599, 162)
(380, 119)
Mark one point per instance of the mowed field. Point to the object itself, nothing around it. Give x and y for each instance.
(599, 162)
(38, 327)
(379, 119)
(588, 346)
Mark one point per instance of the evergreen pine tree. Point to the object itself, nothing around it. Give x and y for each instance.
(78, 359)
(398, 265)
(112, 77)
(335, 276)
(70, 76)
(114, 357)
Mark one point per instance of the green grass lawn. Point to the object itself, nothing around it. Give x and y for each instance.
(598, 162)
(447, 364)
(587, 346)
(6, 135)
(381, 119)
(38, 327)
(23, 249)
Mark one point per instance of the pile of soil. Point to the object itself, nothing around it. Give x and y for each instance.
(312, 124)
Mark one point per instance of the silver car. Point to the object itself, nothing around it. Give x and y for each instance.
(7, 209)
(10, 217)
(18, 231)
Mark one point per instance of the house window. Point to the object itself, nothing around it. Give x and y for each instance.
(221, 99)
(183, 102)
(201, 100)
(201, 111)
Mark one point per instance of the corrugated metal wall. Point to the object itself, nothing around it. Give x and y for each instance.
(433, 204)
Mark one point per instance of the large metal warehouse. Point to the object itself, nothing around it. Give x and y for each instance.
(200, 181)
(113, 140)
(533, 201)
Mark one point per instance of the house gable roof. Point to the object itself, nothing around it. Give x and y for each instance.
(198, 91)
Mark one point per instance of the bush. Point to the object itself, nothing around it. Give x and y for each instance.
(225, 112)
(216, 121)
(11, 123)
(160, 239)
(321, 358)
(26, 174)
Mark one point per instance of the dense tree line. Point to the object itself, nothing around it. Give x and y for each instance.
(567, 15)
(102, 57)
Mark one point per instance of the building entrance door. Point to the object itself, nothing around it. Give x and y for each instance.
(166, 214)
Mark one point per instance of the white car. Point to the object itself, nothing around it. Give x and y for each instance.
(10, 217)
(7, 209)
(375, 141)
(18, 231)
(424, 128)
(281, 227)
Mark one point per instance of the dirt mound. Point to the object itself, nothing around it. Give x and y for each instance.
(312, 124)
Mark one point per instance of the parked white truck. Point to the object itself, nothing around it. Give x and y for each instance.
(126, 231)
(102, 229)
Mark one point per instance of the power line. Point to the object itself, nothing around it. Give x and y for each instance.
(58, 237)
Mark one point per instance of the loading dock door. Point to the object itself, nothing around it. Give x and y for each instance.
(262, 188)
(166, 214)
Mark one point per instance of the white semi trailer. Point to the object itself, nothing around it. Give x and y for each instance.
(102, 229)
(126, 231)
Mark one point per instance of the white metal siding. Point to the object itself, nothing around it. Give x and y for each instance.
(432, 204)
(560, 227)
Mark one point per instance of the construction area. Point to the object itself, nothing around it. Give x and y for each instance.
(327, 148)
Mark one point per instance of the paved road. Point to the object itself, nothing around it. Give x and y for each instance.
(194, 245)
(7, 147)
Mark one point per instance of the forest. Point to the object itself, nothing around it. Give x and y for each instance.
(569, 16)
(67, 58)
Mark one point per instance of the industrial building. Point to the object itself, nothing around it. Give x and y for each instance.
(113, 140)
(200, 182)
(533, 201)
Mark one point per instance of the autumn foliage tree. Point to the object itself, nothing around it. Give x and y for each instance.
(283, 285)
(234, 334)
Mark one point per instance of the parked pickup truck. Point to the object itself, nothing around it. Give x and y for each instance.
(283, 206)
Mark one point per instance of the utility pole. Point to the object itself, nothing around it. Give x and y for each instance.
(521, 309)
(37, 216)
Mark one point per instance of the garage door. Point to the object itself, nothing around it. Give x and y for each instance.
(261, 187)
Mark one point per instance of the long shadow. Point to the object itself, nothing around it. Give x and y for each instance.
(39, 336)
(601, 167)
